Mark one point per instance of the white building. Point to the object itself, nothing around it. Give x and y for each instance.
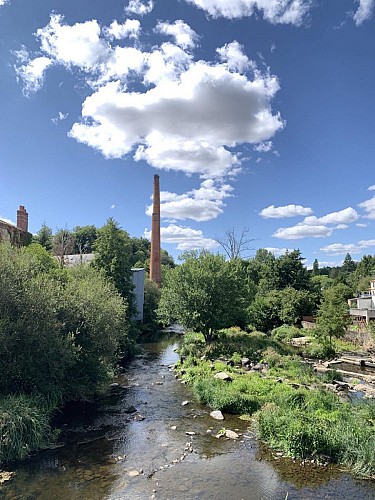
(363, 306)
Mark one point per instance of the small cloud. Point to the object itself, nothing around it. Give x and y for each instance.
(273, 47)
(303, 231)
(61, 116)
(342, 249)
(130, 29)
(263, 147)
(183, 35)
(371, 188)
(186, 238)
(369, 207)
(277, 251)
(361, 224)
(112, 206)
(364, 12)
(273, 212)
(342, 226)
(139, 7)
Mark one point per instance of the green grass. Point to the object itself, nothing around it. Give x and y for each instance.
(24, 426)
(292, 411)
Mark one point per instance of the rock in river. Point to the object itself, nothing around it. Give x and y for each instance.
(217, 415)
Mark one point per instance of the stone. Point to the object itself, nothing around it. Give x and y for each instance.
(217, 415)
(174, 427)
(133, 473)
(231, 434)
(245, 361)
(130, 409)
(190, 433)
(223, 376)
(184, 403)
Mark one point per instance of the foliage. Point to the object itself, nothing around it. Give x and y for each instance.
(62, 245)
(280, 306)
(84, 238)
(286, 332)
(113, 251)
(151, 303)
(205, 293)
(95, 316)
(44, 237)
(332, 318)
(24, 426)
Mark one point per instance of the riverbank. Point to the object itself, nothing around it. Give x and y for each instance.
(105, 452)
(289, 404)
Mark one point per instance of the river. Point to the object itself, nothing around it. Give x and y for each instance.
(110, 451)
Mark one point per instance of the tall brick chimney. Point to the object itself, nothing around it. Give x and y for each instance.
(22, 219)
(155, 269)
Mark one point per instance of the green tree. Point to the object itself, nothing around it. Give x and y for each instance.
(348, 265)
(332, 318)
(44, 237)
(84, 238)
(113, 253)
(315, 268)
(62, 245)
(205, 294)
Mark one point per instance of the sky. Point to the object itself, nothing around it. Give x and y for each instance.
(255, 114)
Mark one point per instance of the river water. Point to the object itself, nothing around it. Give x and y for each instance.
(111, 451)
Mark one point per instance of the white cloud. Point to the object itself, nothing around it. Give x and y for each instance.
(139, 7)
(184, 124)
(342, 217)
(341, 249)
(369, 207)
(129, 29)
(273, 212)
(361, 224)
(232, 54)
(8, 221)
(203, 204)
(112, 206)
(183, 35)
(371, 188)
(60, 117)
(186, 238)
(303, 231)
(161, 106)
(274, 11)
(32, 72)
(364, 12)
(277, 251)
(3, 2)
(263, 147)
(341, 226)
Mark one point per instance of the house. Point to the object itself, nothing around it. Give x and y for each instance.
(362, 308)
(16, 235)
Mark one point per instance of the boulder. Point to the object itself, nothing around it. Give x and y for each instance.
(231, 434)
(217, 415)
(223, 376)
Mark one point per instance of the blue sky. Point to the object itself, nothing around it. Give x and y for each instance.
(256, 113)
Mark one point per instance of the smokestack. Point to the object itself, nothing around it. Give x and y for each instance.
(155, 269)
(22, 219)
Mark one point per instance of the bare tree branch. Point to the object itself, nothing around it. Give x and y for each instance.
(235, 245)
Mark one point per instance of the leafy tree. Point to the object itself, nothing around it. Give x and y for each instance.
(348, 265)
(292, 272)
(332, 317)
(62, 245)
(113, 252)
(205, 293)
(315, 268)
(44, 237)
(277, 307)
(84, 238)
(150, 306)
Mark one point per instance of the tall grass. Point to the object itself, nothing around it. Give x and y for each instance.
(24, 426)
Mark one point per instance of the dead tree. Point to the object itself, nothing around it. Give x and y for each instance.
(236, 245)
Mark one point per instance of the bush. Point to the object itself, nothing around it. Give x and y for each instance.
(286, 333)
